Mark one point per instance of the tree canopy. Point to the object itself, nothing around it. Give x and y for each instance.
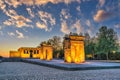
(107, 38)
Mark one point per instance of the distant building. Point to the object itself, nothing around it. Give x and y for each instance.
(74, 48)
(44, 52)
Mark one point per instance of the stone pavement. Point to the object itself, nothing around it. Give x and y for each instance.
(25, 71)
(88, 65)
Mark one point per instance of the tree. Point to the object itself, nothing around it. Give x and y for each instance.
(55, 42)
(87, 41)
(107, 38)
(43, 42)
(57, 46)
(90, 45)
(87, 38)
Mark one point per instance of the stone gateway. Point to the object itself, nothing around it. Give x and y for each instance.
(74, 49)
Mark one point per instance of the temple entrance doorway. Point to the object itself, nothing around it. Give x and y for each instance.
(31, 55)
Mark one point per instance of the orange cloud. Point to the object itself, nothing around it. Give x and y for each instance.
(15, 19)
(43, 2)
(2, 5)
(101, 15)
(16, 3)
(8, 22)
(13, 3)
(20, 24)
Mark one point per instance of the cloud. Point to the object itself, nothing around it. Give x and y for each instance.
(67, 24)
(117, 26)
(16, 3)
(101, 3)
(8, 22)
(78, 27)
(75, 26)
(21, 18)
(65, 14)
(43, 2)
(2, 5)
(11, 34)
(41, 26)
(101, 16)
(88, 23)
(19, 34)
(64, 27)
(78, 8)
(30, 12)
(46, 17)
(1, 33)
(45, 20)
(0, 27)
(13, 3)
(20, 24)
(27, 2)
(90, 27)
(17, 20)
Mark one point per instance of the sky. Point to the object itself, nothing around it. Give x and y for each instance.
(25, 23)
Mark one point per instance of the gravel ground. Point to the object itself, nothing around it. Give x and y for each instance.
(26, 71)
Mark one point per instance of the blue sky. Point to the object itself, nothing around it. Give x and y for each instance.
(25, 23)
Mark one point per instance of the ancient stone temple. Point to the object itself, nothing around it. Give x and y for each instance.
(47, 52)
(44, 52)
(74, 49)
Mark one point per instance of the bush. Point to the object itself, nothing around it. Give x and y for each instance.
(100, 56)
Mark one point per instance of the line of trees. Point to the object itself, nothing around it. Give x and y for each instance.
(103, 45)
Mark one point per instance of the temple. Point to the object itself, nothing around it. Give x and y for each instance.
(73, 46)
(74, 49)
(45, 52)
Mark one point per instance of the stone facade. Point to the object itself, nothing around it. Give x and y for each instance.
(74, 49)
(47, 52)
(29, 52)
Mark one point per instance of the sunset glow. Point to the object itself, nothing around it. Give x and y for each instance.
(28, 22)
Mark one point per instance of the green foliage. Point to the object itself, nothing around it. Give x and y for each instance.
(55, 42)
(100, 56)
(58, 53)
(107, 38)
(90, 45)
(103, 44)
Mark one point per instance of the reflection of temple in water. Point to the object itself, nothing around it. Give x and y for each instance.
(44, 52)
(74, 49)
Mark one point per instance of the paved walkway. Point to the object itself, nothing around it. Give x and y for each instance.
(60, 64)
(25, 71)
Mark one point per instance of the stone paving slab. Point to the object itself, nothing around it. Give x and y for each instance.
(88, 65)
